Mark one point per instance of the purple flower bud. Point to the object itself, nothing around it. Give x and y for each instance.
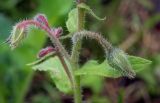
(46, 51)
(41, 18)
(57, 32)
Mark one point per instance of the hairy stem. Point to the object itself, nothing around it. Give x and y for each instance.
(50, 34)
(92, 35)
(75, 55)
(65, 68)
(62, 52)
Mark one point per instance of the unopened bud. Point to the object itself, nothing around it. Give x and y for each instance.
(57, 32)
(46, 51)
(42, 19)
(118, 60)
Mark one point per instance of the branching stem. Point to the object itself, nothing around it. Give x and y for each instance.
(75, 55)
(62, 52)
(50, 34)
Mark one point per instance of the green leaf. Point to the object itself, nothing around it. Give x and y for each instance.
(54, 67)
(92, 67)
(95, 83)
(138, 63)
(89, 10)
(72, 22)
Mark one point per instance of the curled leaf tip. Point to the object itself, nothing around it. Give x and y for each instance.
(118, 60)
(89, 10)
(17, 35)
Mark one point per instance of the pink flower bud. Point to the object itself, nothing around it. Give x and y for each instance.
(41, 18)
(57, 32)
(45, 51)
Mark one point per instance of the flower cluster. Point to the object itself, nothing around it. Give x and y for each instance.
(20, 30)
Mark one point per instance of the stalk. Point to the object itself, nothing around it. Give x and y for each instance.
(75, 55)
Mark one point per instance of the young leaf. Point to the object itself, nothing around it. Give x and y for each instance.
(72, 22)
(89, 10)
(54, 67)
(138, 63)
(92, 67)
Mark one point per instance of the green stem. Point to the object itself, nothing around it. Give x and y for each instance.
(92, 35)
(68, 72)
(75, 56)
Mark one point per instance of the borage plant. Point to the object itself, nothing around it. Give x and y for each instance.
(62, 66)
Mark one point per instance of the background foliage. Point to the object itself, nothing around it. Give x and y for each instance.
(131, 24)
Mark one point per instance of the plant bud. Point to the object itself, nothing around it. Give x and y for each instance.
(118, 60)
(17, 35)
(57, 32)
(46, 51)
(41, 18)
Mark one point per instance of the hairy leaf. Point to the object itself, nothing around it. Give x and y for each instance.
(54, 67)
(89, 10)
(92, 67)
(72, 22)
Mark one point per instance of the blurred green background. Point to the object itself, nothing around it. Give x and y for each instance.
(133, 25)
